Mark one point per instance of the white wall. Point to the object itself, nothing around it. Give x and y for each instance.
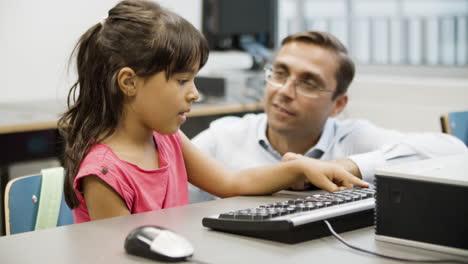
(406, 103)
(37, 37)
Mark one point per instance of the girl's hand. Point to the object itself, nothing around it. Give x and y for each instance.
(301, 185)
(349, 166)
(326, 175)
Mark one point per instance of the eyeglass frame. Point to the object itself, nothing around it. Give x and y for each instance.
(269, 72)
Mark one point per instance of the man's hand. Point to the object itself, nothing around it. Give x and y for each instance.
(290, 156)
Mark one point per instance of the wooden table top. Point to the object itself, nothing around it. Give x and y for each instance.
(43, 115)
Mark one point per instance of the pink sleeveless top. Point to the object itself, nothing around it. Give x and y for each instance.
(142, 190)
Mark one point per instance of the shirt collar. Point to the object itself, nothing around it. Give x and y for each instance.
(263, 140)
(325, 139)
(316, 151)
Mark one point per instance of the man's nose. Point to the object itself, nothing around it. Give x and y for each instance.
(288, 88)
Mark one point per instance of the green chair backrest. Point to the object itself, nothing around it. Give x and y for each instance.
(36, 202)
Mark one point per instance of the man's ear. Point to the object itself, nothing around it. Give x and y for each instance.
(126, 79)
(340, 102)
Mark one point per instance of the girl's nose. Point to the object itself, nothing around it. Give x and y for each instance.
(193, 94)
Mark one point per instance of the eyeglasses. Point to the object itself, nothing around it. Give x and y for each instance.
(303, 87)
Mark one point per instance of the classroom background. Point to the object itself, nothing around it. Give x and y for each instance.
(412, 55)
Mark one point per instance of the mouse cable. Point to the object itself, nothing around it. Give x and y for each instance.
(196, 261)
(388, 256)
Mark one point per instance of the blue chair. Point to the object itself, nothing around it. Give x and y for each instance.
(36, 202)
(456, 124)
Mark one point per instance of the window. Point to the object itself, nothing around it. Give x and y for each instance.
(410, 32)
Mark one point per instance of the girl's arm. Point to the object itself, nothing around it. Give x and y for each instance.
(207, 174)
(102, 201)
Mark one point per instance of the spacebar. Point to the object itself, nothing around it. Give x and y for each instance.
(329, 212)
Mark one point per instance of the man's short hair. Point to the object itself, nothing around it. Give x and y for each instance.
(345, 72)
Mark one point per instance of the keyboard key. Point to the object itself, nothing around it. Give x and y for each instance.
(261, 216)
(229, 215)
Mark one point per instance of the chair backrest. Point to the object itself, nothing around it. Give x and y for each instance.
(24, 209)
(456, 124)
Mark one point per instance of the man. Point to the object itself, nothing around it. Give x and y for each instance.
(305, 89)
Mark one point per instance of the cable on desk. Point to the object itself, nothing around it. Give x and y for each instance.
(388, 256)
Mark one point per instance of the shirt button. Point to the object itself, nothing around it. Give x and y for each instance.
(104, 170)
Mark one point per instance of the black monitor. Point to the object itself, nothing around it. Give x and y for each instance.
(249, 25)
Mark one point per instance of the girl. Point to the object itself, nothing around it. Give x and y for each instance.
(124, 151)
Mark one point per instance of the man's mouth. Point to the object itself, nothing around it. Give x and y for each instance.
(282, 110)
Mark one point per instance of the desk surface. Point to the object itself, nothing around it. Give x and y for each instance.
(102, 241)
(42, 115)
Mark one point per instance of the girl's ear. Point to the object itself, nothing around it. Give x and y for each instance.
(126, 79)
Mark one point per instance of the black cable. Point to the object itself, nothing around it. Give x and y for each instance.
(387, 256)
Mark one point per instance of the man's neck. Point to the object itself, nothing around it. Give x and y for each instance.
(292, 142)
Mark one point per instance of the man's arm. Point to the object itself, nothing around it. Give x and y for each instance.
(370, 147)
(366, 147)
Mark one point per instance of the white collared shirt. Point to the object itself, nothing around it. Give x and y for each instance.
(241, 143)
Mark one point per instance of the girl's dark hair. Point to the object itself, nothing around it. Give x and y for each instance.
(137, 34)
(345, 72)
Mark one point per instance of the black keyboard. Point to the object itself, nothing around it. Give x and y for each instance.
(300, 219)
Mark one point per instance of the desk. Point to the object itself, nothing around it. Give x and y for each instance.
(43, 115)
(102, 241)
(28, 131)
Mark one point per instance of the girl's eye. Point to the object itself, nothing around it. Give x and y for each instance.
(182, 82)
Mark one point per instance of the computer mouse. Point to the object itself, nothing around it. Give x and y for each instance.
(158, 243)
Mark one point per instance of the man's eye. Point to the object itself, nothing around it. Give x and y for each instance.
(280, 74)
(307, 85)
